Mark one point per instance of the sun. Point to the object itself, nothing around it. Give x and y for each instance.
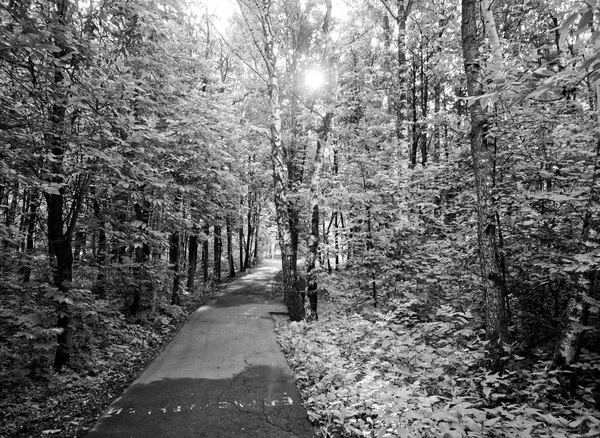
(314, 79)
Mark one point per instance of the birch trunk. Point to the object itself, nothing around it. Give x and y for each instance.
(492, 34)
(482, 152)
(403, 9)
(569, 344)
(282, 203)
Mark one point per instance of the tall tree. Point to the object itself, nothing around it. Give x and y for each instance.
(482, 153)
(323, 133)
(230, 259)
(262, 10)
(400, 12)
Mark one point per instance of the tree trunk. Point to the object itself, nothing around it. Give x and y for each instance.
(217, 252)
(414, 143)
(437, 135)
(230, 262)
(482, 151)
(34, 201)
(569, 345)
(424, 108)
(59, 239)
(206, 230)
(61, 261)
(241, 244)
(174, 262)
(11, 213)
(256, 225)
(192, 261)
(287, 239)
(492, 34)
(313, 240)
(402, 10)
(249, 236)
(100, 259)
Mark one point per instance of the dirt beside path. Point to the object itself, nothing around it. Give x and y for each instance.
(223, 375)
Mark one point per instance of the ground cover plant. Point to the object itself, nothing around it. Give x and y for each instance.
(111, 350)
(417, 371)
(440, 157)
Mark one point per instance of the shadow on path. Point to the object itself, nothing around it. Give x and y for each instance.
(223, 375)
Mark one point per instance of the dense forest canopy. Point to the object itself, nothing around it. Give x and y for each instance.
(403, 156)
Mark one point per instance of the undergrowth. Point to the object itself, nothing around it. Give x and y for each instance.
(110, 350)
(399, 374)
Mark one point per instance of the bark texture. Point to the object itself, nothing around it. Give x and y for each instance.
(482, 153)
(282, 203)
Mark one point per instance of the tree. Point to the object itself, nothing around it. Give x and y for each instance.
(482, 152)
(400, 16)
(262, 11)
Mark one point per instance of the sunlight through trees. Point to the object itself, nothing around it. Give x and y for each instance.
(429, 170)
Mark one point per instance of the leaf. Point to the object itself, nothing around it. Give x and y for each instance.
(138, 224)
(49, 47)
(52, 188)
(585, 20)
(484, 101)
(564, 28)
(544, 72)
(491, 421)
(26, 335)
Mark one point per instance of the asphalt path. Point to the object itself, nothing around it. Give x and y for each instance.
(223, 375)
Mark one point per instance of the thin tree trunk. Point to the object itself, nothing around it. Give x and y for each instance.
(424, 109)
(336, 237)
(230, 262)
(241, 244)
(256, 225)
(217, 252)
(249, 237)
(313, 240)
(26, 200)
(323, 136)
(413, 104)
(437, 135)
(192, 261)
(403, 9)
(34, 201)
(569, 345)
(174, 262)
(205, 254)
(494, 288)
(100, 259)
(11, 213)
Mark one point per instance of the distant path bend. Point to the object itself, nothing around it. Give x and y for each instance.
(222, 376)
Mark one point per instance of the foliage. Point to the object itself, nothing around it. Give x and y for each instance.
(415, 372)
(110, 352)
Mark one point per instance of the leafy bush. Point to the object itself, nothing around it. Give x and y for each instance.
(405, 374)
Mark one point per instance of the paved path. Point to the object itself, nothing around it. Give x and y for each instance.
(223, 375)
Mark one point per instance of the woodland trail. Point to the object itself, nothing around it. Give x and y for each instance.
(223, 375)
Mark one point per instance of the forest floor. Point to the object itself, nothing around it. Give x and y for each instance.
(403, 371)
(39, 402)
(412, 370)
